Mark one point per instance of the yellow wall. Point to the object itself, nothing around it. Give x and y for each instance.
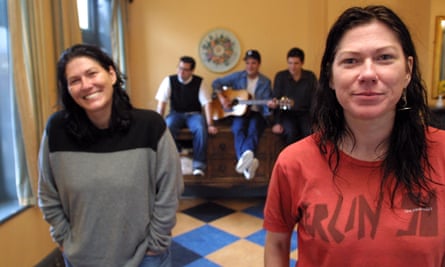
(163, 30)
(437, 9)
(24, 239)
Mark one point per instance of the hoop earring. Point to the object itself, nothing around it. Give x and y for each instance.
(404, 102)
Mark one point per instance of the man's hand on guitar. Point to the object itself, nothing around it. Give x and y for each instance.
(225, 101)
(273, 103)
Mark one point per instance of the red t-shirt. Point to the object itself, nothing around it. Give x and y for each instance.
(341, 221)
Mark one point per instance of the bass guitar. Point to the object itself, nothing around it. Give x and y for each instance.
(240, 101)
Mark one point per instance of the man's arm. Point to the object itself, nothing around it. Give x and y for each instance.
(163, 96)
(205, 99)
(217, 86)
(161, 107)
(208, 113)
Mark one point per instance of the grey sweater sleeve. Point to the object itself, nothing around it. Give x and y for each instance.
(169, 186)
(49, 200)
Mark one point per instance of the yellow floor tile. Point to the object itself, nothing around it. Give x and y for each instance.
(185, 223)
(239, 224)
(240, 253)
(185, 203)
(294, 254)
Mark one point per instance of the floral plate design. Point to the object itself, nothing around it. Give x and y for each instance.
(219, 50)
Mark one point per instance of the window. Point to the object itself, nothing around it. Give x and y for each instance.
(8, 128)
(95, 22)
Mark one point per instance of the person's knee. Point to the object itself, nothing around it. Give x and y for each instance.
(199, 130)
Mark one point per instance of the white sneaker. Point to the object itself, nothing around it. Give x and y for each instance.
(244, 161)
(249, 173)
(198, 172)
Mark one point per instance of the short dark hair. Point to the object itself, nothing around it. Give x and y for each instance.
(189, 60)
(296, 52)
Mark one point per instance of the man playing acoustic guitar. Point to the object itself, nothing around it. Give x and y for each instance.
(248, 127)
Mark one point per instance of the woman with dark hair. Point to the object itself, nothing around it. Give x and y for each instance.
(110, 176)
(367, 188)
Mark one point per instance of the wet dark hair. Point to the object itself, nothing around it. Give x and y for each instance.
(296, 52)
(406, 157)
(77, 123)
(189, 60)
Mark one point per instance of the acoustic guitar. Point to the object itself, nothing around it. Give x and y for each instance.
(241, 100)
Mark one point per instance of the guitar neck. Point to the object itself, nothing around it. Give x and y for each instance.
(284, 103)
(253, 102)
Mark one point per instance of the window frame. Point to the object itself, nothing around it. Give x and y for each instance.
(9, 203)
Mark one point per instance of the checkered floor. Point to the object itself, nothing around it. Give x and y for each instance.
(221, 232)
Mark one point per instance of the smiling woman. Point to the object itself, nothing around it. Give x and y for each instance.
(87, 150)
(91, 87)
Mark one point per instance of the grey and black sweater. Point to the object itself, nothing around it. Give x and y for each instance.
(110, 202)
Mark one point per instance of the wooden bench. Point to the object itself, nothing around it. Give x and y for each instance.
(221, 159)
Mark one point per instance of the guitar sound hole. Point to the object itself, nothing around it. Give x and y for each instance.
(222, 147)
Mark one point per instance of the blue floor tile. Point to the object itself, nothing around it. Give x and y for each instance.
(258, 237)
(205, 239)
(190, 249)
(256, 211)
(294, 241)
(203, 262)
(181, 256)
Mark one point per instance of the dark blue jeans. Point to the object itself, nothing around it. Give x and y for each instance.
(247, 131)
(296, 126)
(161, 260)
(197, 125)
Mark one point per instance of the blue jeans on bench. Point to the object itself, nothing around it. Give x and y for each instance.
(197, 125)
(247, 131)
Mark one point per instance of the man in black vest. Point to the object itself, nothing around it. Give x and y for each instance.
(187, 95)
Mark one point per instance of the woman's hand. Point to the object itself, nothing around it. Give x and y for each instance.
(151, 253)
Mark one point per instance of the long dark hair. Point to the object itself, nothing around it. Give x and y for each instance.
(406, 157)
(77, 123)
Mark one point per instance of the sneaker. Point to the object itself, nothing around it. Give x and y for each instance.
(198, 172)
(244, 161)
(249, 173)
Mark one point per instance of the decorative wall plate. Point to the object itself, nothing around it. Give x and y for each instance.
(219, 50)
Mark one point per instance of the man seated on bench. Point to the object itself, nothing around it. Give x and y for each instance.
(187, 95)
(247, 128)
